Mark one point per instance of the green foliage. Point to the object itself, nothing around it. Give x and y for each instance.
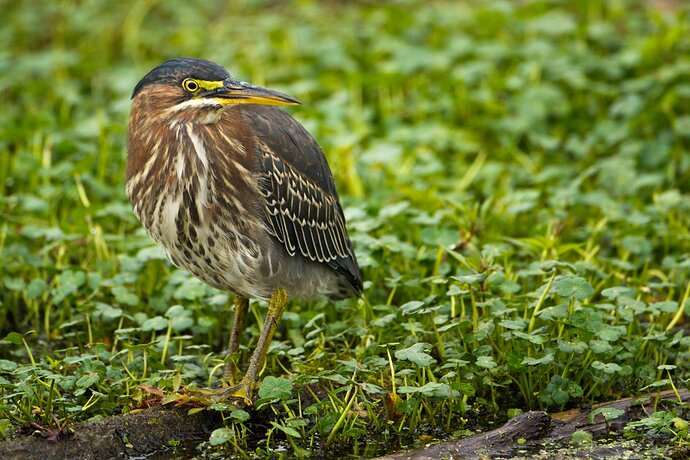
(581, 438)
(221, 436)
(275, 388)
(609, 414)
(515, 176)
(416, 354)
(660, 422)
(559, 391)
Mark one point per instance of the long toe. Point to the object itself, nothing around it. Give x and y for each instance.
(239, 395)
(240, 392)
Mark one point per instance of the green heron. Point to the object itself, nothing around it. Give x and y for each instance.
(238, 193)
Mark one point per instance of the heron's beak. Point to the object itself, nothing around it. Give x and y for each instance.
(240, 92)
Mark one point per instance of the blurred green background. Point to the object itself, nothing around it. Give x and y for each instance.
(479, 148)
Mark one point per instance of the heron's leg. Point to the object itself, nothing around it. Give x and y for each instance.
(245, 389)
(231, 372)
(276, 308)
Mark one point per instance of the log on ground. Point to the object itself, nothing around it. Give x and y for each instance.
(530, 431)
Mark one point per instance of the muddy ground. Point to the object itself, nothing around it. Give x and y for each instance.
(170, 432)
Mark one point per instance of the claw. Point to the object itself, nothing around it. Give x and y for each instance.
(242, 392)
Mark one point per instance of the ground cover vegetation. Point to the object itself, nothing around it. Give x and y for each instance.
(516, 180)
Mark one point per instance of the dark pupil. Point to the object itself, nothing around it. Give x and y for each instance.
(191, 86)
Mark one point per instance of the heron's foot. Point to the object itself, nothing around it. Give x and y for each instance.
(239, 395)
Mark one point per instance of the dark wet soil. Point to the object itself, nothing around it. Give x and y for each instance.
(151, 433)
(163, 432)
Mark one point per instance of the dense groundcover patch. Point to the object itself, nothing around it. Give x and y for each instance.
(516, 179)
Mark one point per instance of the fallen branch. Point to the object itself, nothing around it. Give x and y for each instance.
(531, 430)
(635, 408)
(161, 428)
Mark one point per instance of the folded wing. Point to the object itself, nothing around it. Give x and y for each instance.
(302, 207)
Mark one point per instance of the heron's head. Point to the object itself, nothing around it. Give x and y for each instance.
(196, 90)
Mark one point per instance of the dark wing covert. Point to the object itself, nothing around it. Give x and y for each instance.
(301, 203)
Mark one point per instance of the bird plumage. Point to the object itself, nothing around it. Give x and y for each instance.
(239, 195)
(302, 205)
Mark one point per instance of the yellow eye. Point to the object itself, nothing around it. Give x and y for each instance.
(190, 85)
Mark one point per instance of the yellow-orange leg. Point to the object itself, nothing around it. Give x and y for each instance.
(276, 308)
(245, 389)
(231, 371)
